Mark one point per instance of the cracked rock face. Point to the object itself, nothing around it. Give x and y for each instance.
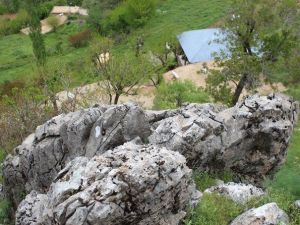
(133, 184)
(250, 139)
(43, 154)
(239, 193)
(264, 215)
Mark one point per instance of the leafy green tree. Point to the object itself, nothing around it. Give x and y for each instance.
(36, 37)
(166, 51)
(122, 75)
(174, 94)
(259, 35)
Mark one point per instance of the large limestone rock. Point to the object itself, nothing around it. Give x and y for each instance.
(239, 193)
(133, 184)
(265, 215)
(43, 154)
(250, 139)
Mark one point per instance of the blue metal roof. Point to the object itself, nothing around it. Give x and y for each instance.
(199, 45)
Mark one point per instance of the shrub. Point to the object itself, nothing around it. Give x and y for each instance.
(80, 39)
(13, 26)
(2, 9)
(7, 87)
(53, 21)
(174, 94)
(139, 11)
(74, 2)
(210, 212)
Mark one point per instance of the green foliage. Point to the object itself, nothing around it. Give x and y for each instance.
(53, 21)
(13, 26)
(5, 211)
(174, 94)
(11, 5)
(2, 9)
(257, 36)
(25, 109)
(17, 60)
(38, 45)
(74, 2)
(80, 39)
(213, 210)
(139, 11)
(129, 15)
(122, 75)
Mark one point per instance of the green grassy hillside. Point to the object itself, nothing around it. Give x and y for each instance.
(17, 61)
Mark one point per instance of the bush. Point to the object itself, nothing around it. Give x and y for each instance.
(80, 39)
(14, 26)
(174, 94)
(130, 14)
(53, 21)
(7, 87)
(139, 11)
(74, 2)
(2, 9)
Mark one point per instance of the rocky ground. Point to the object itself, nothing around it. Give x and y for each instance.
(125, 165)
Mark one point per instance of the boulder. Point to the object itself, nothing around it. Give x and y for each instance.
(43, 154)
(132, 184)
(249, 139)
(265, 215)
(239, 193)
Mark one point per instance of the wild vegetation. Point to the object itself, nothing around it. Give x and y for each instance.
(140, 37)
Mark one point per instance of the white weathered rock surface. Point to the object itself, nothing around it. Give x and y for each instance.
(251, 139)
(239, 193)
(43, 154)
(297, 204)
(269, 214)
(133, 184)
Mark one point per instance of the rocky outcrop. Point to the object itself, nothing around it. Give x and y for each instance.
(264, 215)
(239, 193)
(250, 139)
(43, 154)
(133, 184)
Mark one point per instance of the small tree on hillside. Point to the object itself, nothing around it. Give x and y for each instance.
(36, 37)
(166, 51)
(122, 75)
(259, 36)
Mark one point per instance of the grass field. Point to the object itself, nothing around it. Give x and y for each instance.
(288, 178)
(17, 61)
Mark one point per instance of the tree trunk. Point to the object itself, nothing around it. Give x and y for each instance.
(239, 89)
(116, 99)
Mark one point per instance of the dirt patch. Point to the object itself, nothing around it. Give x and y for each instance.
(92, 94)
(46, 28)
(8, 16)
